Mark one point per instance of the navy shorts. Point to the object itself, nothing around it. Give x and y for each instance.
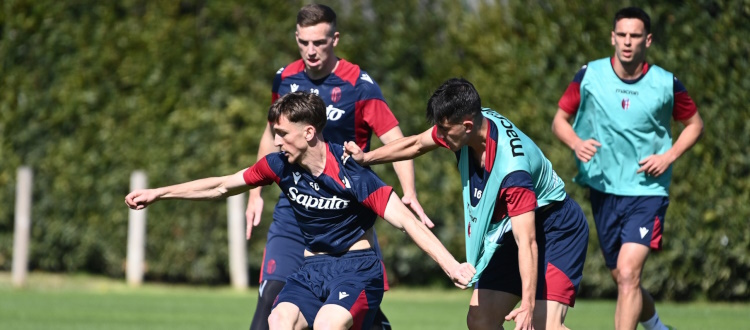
(285, 248)
(353, 280)
(562, 235)
(627, 219)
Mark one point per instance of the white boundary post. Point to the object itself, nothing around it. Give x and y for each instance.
(237, 242)
(22, 230)
(136, 235)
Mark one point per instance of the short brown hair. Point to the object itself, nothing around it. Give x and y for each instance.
(299, 107)
(314, 14)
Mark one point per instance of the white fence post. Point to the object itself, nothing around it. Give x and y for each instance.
(237, 242)
(136, 235)
(22, 230)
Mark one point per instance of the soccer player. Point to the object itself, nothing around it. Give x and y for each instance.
(622, 141)
(355, 108)
(526, 238)
(340, 284)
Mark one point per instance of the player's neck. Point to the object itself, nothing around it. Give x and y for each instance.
(478, 138)
(327, 69)
(628, 71)
(314, 159)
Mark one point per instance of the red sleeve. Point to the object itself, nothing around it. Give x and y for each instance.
(571, 99)
(377, 115)
(260, 174)
(684, 107)
(378, 200)
(519, 200)
(438, 140)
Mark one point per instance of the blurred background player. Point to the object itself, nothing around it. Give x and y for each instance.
(622, 140)
(355, 109)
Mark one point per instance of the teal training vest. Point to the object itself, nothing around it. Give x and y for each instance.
(515, 152)
(631, 121)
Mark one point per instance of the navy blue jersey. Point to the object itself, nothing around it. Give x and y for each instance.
(354, 103)
(355, 107)
(333, 210)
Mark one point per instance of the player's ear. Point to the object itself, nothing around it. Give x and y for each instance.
(309, 132)
(335, 38)
(468, 125)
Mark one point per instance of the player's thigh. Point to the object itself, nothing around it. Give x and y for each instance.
(491, 306)
(333, 316)
(285, 314)
(631, 260)
(550, 315)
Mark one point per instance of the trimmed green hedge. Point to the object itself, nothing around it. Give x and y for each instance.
(92, 91)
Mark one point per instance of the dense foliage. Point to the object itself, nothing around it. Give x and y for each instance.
(93, 90)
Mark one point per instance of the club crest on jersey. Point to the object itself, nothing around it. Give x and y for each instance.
(366, 78)
(296, 176)
(625, 104)
(294, 87)
(335, 94)
(320, 203)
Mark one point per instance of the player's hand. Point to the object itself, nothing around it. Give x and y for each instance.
(139, 199)
(253, 212)
(655, 165)
(353, 151)
(462, 274)
(523, 316)
(412, 202)
(585, 149)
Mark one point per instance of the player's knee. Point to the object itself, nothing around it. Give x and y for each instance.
(279, 320)
(628, 278)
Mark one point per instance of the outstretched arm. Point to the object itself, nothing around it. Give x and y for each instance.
(656, 165)
(254, 200)
(409, 147)
(400, 217)
(202, 189)
(405, 172)
(584, 149)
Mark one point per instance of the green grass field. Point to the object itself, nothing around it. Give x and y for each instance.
(86, 302)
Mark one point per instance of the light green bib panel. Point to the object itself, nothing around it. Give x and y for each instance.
(632, 121)
(515, 152)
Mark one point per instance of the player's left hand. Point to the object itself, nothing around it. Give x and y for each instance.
(523, 316)
(353, 151)
(655, 165)
(462, 275)
(412, 202)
